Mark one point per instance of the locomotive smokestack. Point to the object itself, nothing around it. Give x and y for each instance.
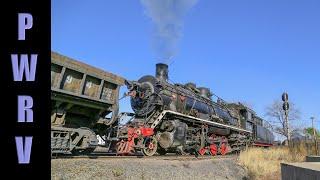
(162, 71)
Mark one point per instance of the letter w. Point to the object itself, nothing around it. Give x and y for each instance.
(24, 149)
(24, 67)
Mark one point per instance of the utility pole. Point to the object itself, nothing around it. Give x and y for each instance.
(287, 123)
(285, 98)
(314, 135)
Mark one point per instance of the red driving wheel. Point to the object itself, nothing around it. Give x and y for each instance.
(213, 149)
(223, 149)
(202, 151)
(151, 146)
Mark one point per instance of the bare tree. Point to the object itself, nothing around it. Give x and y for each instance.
(277, 120)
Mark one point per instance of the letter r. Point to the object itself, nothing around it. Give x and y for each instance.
(25, 113)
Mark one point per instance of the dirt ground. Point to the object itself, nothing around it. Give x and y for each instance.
(142, 168)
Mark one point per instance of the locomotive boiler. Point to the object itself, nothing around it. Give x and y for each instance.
(183, 119)
(150, 94)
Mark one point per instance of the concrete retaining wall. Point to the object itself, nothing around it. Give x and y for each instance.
(300, 171)
(313, 158)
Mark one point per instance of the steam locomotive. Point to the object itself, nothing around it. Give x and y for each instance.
(167, 118)
(184, 119)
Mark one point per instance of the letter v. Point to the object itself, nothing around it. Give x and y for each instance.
(24, 149)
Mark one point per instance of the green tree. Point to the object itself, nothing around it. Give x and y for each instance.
(309, 131)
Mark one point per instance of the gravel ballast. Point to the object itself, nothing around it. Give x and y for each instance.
(142, 168)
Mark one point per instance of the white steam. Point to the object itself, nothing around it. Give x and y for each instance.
(167, 15)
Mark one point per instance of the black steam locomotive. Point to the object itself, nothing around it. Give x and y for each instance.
(183, 119)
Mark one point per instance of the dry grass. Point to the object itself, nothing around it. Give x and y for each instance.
(264, 163)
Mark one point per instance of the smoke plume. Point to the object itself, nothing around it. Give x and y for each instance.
(167, 16)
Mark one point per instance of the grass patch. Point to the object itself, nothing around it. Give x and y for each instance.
(117, 172)
(264, 163)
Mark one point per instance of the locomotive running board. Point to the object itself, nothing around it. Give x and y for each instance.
(163, 113)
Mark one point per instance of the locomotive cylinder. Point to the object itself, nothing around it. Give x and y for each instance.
(174, 136)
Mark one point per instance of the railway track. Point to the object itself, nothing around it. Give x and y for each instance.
(157, 157)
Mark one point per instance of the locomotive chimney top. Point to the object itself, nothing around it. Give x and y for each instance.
(162, 71)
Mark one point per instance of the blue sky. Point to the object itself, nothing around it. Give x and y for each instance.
(243, 50)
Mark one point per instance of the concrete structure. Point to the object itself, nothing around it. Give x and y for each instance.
(300, 171)
(313, 158)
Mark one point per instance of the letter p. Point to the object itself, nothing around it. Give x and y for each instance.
(25, 21)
